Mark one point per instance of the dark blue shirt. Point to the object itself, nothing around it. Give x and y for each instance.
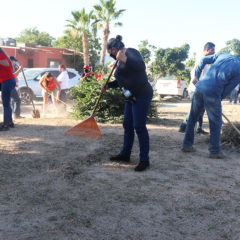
(132, 75)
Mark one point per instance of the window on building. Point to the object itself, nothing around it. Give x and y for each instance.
(30, 63)
(53, 63)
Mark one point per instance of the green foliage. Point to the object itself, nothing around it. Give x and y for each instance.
(70, 40)
(185, 74)
(106, 14)
(101, 69)
(81, 25)
(74, 61)
(170, 61)
(73, 40)
(81, 21)
(191, 62)
(32, 35)
(144, 51)
(94, 49)
(111, 106)
(233, 47)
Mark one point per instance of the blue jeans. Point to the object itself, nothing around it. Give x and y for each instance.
(200, 119)
(135, 117)
(214, 111)
(234, 95)
(16, 101)
(7, 87)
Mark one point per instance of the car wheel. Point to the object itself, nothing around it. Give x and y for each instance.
(26, 96)
(185, 93)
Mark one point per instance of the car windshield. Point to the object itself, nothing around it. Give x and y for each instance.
(29, 74)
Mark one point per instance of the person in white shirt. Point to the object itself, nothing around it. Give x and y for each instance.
(209, 49)
(63, 80)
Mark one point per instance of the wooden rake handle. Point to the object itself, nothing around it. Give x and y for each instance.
(29, 92)
(237, 130)
(100, 96)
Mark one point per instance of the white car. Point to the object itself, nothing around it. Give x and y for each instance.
(171, 86)
(33, 76)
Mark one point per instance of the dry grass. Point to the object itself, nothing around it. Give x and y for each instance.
(59, 187)
(230, 136)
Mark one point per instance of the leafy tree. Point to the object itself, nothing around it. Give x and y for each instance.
(233, 47)
(191, 62)
(32, 35)
(80, 25)
(185, 74)
(72, 41)
(170, 61)
(106, 13)
(144, 51)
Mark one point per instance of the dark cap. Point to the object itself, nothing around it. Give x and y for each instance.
(12, 58)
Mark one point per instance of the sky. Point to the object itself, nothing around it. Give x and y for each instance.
(164, 23)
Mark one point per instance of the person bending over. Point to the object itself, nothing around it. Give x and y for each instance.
(209, 49)
(50, 87)
(215, 85)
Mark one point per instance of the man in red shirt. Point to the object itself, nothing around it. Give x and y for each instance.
(8, 83)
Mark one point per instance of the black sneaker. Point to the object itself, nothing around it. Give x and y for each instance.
(188, 149)
(201, 131)
(182, 127)
(142, 166)
(120, 158)
(11, 125)
(219, 155)
(4, 128)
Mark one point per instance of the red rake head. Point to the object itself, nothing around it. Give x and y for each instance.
(86, 129)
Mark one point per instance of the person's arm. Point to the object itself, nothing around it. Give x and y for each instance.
(41, 83)
(59, 78)
(132, 58)
(4, 63)
(16, 75)
(206, 60)
(18, 71)
(58, 86)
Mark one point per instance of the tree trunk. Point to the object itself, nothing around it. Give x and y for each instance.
(85, 49)
(104, 43)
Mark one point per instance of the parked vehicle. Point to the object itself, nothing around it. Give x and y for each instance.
(171, 86)
(33, 75)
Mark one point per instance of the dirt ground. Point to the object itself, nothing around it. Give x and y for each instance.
(56, 187)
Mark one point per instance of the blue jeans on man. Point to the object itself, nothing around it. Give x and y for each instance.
(213, 108)
(234, 95)
(7, 87)
(135, 117)
(16, 101)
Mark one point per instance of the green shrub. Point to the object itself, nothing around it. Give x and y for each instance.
(110, 108)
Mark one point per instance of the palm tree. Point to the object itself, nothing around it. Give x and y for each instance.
(106, 13)
(80, 26)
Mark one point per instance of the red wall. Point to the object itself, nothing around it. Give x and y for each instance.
(41, 56)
